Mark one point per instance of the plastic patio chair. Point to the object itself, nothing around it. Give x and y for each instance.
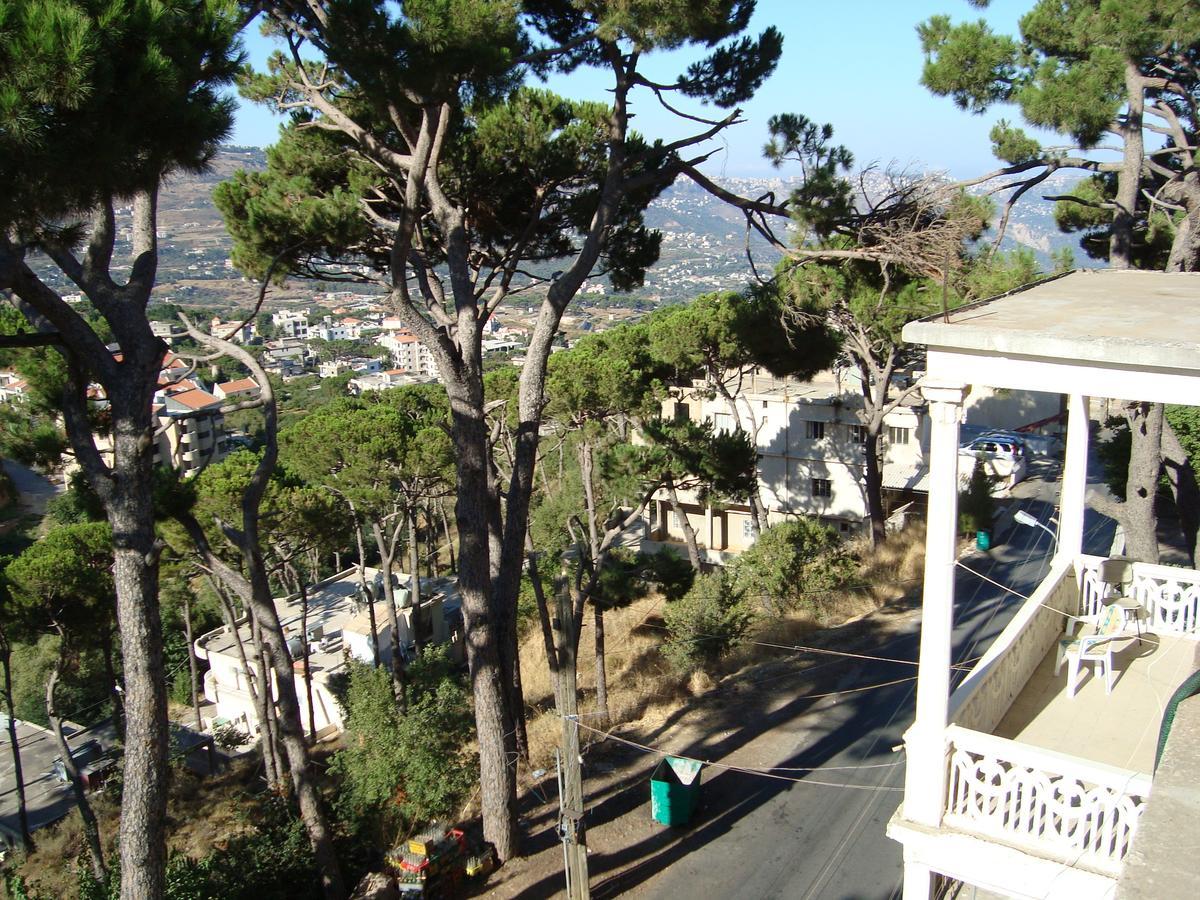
(1095, 642)
(1115, 573)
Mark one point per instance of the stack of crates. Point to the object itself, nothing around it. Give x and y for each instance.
(429, 863)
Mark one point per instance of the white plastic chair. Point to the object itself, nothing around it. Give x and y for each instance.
(1095, 642)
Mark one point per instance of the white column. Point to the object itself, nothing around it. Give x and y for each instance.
(918, 881)
(1074, 479)
(925, 741)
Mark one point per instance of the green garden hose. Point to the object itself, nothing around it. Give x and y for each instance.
(1189, 687)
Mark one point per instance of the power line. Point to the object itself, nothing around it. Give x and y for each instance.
(764, 773)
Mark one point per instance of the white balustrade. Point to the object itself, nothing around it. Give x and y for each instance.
(1170, 595)
(990, 688)
(1053, 805)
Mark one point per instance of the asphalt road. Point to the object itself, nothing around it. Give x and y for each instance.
(33, 490)
(763, 837)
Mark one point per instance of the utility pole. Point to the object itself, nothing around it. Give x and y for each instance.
(570, 795)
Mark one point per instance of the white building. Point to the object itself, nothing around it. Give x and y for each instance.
(12, 386)
(241, 389)
(339, 628)
(237, 331)
(408, 353)
(382, 381)
(335, 330)
(291, 324)
(1014, 784)
(190, 432)
(809, 437)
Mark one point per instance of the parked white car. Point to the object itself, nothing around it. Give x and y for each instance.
(1002, 458)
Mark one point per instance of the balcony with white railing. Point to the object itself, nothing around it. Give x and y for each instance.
(1059, 778)
(1012, 784)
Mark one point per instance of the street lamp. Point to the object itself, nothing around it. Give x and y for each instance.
(1023, 518)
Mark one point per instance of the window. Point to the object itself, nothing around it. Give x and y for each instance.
(764, 404)
(748, 528)
(858, 434)
(682, 412)
(722, 422)
(822, 487)
(898, 435)
(814, 431)
(675, 520)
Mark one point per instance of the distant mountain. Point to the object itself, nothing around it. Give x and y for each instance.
(706, 243)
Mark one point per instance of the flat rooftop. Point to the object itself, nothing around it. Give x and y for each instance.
(1103, 315)
(333, 606)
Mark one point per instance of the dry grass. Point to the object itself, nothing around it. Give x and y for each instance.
(643, 687)
(895, 569)
(202, 814)
(640, 683)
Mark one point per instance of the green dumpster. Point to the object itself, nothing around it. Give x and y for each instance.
(675, 790)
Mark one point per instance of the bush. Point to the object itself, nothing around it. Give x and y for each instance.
(791, 561)
(976, 506)
(709, 622)
(672, 573)
(417, 760)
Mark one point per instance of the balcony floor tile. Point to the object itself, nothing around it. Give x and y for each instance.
(1120, 729)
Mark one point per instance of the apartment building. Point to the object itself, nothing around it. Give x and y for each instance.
(190, 432)
(809, 436)
(408, 353)
(290, 324)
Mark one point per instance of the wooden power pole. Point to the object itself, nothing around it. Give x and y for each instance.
(570, 822)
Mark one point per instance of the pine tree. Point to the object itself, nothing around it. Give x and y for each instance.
(416, 148)
(99, 101)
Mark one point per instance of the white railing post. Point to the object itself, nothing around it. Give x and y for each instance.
(925, 741)
(1074, 479)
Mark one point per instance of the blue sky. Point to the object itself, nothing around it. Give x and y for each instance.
(855, 64)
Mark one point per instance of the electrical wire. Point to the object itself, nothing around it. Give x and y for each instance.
(745, 770)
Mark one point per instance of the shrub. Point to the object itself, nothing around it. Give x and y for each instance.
(790, 560)
(976, 506)
(416, 759)
(709, 622)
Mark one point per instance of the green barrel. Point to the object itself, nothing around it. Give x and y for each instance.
(675, 790)
(983, 540)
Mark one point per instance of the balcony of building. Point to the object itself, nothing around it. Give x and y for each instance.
(1053, 781)
(1015, 784)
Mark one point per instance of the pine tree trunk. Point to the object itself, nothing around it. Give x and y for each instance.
(484, 630)
(414, 579)
(14, 746)
(689, 533)
(193, 667)
(446, 534)
(367, 592)
(91, 828)
(1182, 478)
(873, 472)
(135, 575)
(308, 690)
(1129, 177)
(758, 512)
(1145, 464)
(601, 673)
(291, 730)
(269, 764)
(389, 595)
(266, 717)
(110, 672)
